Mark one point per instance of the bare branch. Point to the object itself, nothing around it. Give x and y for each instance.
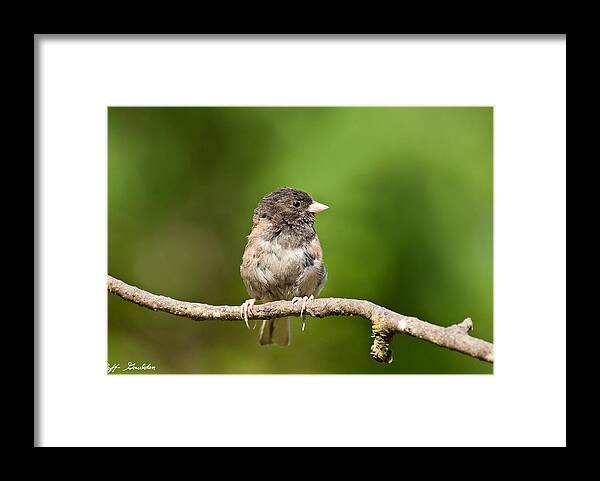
(384, 323)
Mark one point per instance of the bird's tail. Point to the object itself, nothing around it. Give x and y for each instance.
(275, 331)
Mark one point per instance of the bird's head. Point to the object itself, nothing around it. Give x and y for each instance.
(290, 206)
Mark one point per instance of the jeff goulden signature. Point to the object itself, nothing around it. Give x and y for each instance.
(131, 367)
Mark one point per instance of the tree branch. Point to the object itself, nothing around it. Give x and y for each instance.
(384, 323)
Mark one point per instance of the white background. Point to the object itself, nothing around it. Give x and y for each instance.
(523, 403)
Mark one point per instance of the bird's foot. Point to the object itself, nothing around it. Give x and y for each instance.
(304, 300)
(246, 308)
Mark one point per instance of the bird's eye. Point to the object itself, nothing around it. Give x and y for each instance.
(296, 203)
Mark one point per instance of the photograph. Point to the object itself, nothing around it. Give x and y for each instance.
(300, 240)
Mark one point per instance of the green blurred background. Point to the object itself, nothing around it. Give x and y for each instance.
(409, 228)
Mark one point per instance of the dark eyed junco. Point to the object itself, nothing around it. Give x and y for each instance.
(283, 259)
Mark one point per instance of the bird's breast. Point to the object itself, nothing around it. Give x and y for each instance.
(282, 262)
(271, 270)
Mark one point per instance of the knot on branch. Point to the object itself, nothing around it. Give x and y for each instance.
(380, 349)
(463, 327)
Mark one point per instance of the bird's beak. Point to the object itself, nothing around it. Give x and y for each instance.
(316, 207)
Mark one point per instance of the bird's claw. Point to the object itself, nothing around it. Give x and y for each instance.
(304, 300)
(246, 308)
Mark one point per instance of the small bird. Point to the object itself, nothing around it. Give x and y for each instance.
(283, 259)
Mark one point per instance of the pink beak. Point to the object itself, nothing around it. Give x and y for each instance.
(316, 207)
